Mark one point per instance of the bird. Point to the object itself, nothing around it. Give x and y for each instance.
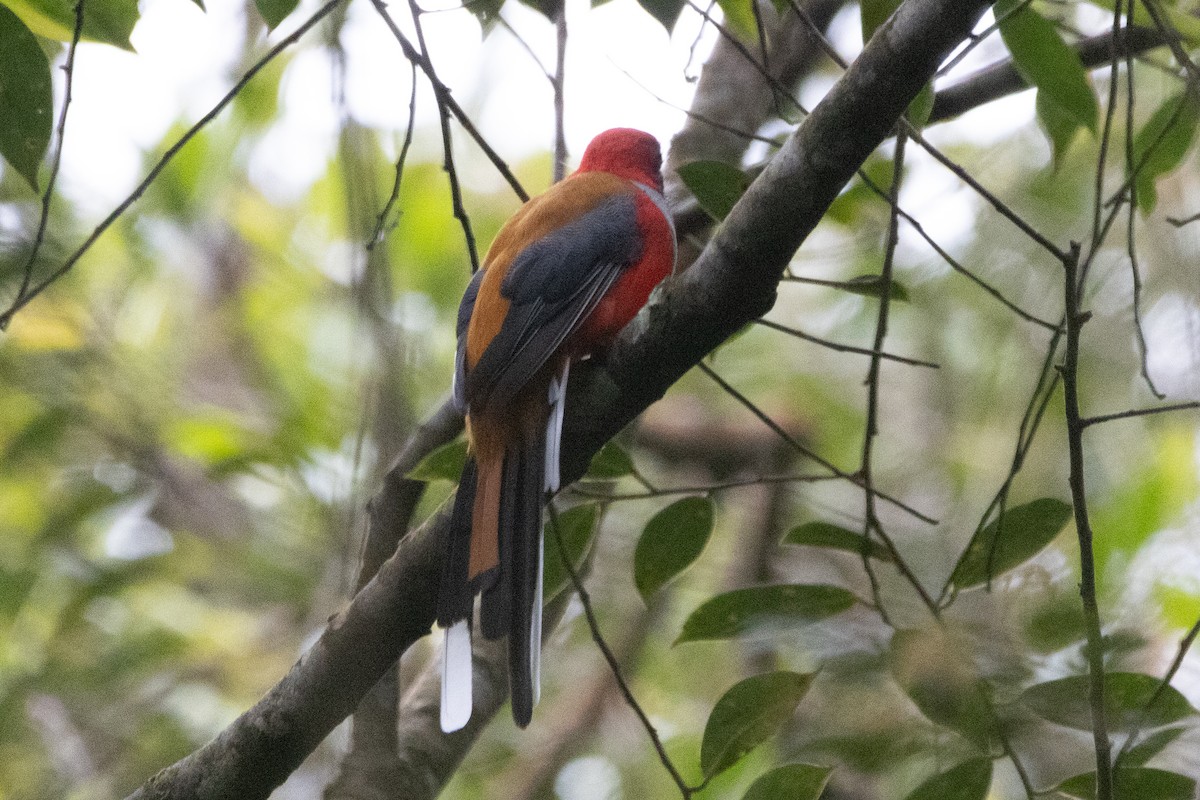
(562, 277)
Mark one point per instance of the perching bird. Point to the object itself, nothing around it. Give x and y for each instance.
(562, 277)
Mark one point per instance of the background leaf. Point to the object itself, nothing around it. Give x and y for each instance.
(716, 185)
(665, 11)
(970, 780)
(1134, 782)
(790, 782)
(934, 669)
(739, 19)
(445, 463)
(746, 715)
(576, 527)
(825, 534)
(1049, 63)
(744, 610)
(610, 462)
(671, 541)
(107, 21)
(1126, 694)
(274, 11)
(1023, 532)
(1161, 144)
(1151, 746)
(26, 102)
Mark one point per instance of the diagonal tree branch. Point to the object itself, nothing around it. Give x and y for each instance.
(733, 282)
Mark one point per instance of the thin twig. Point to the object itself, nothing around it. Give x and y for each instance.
(992, 200)
(165, 159)
(1138, 412)
(1179, 222)
(980, 38)
(954, 263)
(1173, 39)
(707, 488)
(1185, 644)
(56, 159)
(845, 348)
(594, 626)
(559, 82)
(1130, 224)
(780, 92)
(871, 429)
(1075, 319)
(1126, 189)
(381, 223)
(920, 229)
(1031, 420)
(1105, 139)
(456, 199)
(800, 448)
(443, 93)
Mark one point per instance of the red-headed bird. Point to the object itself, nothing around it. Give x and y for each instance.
(562, 277)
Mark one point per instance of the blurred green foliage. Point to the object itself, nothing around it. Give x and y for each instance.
(192, 420)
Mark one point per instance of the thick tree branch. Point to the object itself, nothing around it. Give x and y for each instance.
(733, 282)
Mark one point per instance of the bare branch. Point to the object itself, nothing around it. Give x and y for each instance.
(166, 158)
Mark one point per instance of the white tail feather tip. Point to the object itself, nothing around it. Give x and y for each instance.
(456, 677)
(535, 626)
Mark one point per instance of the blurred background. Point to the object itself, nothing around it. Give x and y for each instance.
(193, 418)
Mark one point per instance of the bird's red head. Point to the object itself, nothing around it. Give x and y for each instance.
(626, 152)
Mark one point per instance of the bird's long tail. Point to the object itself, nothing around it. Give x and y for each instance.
(509, 496)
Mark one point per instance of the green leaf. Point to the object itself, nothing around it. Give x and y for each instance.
(1182, 22)
(547, 8)
(610, 462)
(671, 541)
(935, 671)
(747, 715)
(1126, 694)
(850, 204)
(1161, 144)
(771, 607)
(970, 780)
(872, 286)
(921, 107)
(1022, 533)
(739, 18)
(576, 527)
(274, 11)
(26, 101)
(1134, 782)
(445, 463)
(790, 782)
(716, 185)
(824, 534)
(1050, 64)
(108, 21)
(1060, 126)
(1151, 746)
(875, 13)
(1056, 622)
(487, 12)
(665, 11)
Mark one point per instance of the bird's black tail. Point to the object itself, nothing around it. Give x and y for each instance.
(512, 605)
